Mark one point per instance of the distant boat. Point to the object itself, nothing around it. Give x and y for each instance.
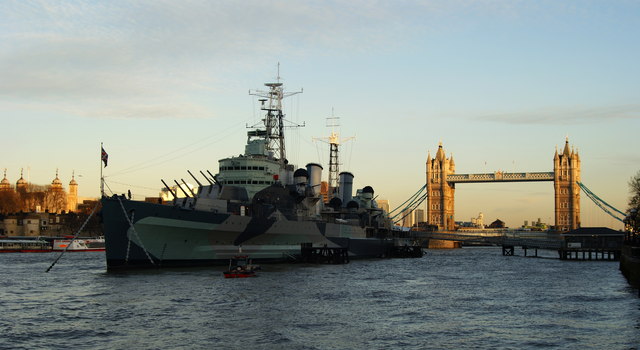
(24, 246)
(79, 245)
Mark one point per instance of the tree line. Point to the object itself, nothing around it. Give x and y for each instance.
(633, 211)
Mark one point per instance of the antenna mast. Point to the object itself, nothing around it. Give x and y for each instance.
(334, 145)
(274, 118)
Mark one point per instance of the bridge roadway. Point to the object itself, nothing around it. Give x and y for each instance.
(500, 176)
(528, 239)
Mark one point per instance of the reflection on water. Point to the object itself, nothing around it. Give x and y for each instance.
(464, 298)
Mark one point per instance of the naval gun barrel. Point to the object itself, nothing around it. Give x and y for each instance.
(206, 177)
(214, 179)
(194, 178)
(210, 183)
(189, 188)
(169, 189)
(181, 189)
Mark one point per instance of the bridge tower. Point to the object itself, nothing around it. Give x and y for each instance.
(440, 192)
(566, 170)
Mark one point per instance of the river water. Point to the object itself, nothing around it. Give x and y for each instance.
(449, 299)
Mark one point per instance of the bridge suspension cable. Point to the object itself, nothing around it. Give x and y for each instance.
(410, 205)
(601, 203)
(415, 195)
(409, 208)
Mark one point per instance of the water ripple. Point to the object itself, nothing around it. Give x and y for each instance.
(465, 298)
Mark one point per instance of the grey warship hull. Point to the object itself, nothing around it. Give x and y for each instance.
(142, 234)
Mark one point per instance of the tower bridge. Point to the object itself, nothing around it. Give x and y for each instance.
(441, 181)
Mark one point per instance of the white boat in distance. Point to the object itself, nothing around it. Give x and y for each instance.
(79, 245)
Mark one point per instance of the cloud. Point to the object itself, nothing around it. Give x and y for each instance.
(139, 55)
(76, 53)
(566, 115)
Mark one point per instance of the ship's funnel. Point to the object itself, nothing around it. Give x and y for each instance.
(315, 177)
(345, 187)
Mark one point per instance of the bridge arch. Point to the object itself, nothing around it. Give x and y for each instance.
(441, 180)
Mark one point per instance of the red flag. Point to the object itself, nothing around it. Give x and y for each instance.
(104, 157)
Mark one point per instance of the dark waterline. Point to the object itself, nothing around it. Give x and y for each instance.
(464, 298)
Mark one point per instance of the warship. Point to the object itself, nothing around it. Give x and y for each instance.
(257, 204)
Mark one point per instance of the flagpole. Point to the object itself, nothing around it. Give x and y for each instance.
(101, 177)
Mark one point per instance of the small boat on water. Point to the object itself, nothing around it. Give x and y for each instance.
(24, 246)
(79, 245)
(240, 267)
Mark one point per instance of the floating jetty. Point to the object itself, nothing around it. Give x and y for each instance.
(340, 255)
(324, 254)
(589, 243)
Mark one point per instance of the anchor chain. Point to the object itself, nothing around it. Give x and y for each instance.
(135, 233)
(74, 237)
(126, 258)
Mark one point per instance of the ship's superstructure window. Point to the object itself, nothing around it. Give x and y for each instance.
(231, 168)
(247, 182)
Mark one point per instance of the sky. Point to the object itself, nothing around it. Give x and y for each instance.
(164, 86)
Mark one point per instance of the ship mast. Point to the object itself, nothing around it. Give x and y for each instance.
(334, 145)
(274, 121)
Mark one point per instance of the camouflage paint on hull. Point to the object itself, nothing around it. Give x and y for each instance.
(171, 237)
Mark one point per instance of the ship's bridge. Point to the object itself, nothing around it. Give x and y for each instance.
(254, 174)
